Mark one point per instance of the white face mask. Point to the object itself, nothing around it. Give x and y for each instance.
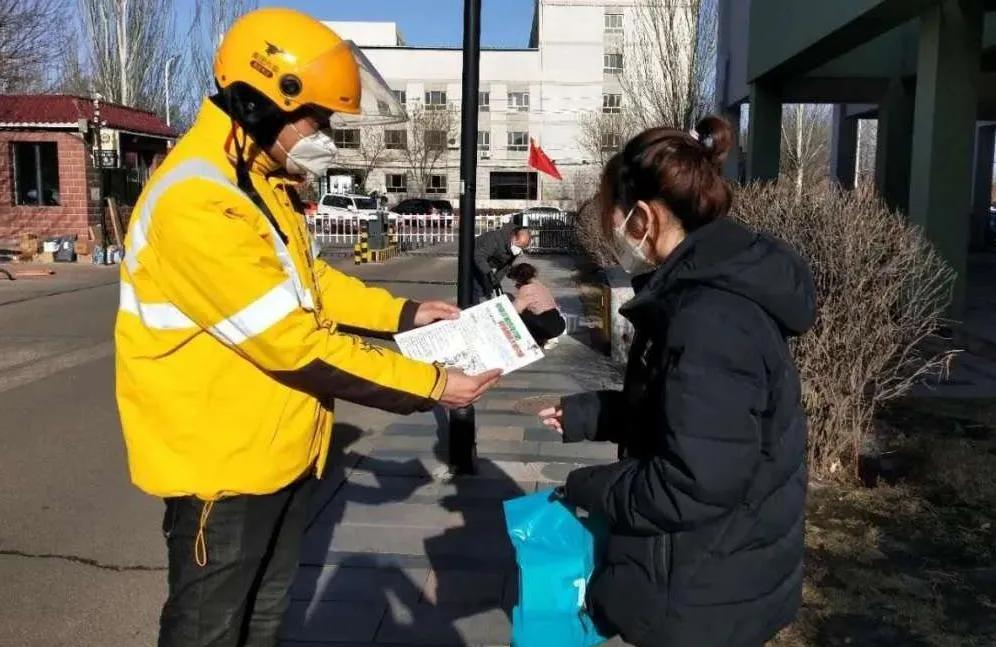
(630, 256)
(516, 250)
(313, 154)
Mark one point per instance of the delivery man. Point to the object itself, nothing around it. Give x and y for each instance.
(229, 348)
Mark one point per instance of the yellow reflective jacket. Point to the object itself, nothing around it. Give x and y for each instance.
(229, 352)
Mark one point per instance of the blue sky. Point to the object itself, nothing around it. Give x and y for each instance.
(504, 23)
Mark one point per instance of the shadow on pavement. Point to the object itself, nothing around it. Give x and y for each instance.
(449, 596)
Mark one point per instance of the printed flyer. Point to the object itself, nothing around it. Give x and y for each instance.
(486, 336)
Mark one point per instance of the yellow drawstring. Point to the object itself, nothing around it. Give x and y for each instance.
(200, 545)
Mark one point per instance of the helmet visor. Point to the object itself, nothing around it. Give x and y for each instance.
(377, 104)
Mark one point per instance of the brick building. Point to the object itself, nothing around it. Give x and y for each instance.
(48, 181)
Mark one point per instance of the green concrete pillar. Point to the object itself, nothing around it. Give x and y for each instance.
(764, 138)
(947, 95)
(844, 147)
(985, 147)
(894, 148)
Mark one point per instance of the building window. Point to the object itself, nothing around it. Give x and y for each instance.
(518, 101)
(518, 141)
(346, 137)
(612, 103)
(396, 140)
(435, 100)
(613, 23)
(611, 141)
(435, 139)
(436, 184)
(401, 96)
(612, 63)
(484, 140)
(396, 182)
(513, 185)
(484, 101)
(36, 173)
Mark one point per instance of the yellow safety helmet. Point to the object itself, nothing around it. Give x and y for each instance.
(296, 61)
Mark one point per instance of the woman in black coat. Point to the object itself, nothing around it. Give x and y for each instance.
(706, 503)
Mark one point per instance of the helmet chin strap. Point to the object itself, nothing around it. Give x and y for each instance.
(244, 181)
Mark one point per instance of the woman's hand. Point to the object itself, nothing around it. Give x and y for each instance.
(553, 418)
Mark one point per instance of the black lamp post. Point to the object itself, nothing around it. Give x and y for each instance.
(463, 434)
(98, 163)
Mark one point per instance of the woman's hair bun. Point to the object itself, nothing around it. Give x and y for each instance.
(716, 136)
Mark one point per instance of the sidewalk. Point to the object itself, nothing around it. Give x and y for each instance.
(398, 553)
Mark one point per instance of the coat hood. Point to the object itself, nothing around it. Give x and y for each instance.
(727, 256)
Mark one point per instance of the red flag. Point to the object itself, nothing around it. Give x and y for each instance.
(539, 161)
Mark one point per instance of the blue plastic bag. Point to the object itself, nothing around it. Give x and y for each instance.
(555, 551)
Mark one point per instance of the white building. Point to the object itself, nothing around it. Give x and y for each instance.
(542, 92)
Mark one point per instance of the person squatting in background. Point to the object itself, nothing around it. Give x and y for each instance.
(537, 307)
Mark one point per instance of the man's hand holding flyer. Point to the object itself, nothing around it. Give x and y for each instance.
(486, 336)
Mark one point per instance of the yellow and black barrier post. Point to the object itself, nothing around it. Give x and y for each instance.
(364, 242)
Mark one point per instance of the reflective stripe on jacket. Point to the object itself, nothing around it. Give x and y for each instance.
(228, 348)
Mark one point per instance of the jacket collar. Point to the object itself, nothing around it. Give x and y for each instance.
(713, 243)
(216, 132)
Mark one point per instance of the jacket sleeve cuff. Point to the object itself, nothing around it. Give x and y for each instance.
(406, 321)
(440, 386)
(588, 487)
(595, 416)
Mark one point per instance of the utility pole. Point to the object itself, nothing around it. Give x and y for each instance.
(463, 432)
(169, 64)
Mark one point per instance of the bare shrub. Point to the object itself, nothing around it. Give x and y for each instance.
(882, 294)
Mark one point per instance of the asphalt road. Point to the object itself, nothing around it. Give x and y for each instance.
(81, 554)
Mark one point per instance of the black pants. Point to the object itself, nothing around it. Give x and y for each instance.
(251, 544)
(545, 325)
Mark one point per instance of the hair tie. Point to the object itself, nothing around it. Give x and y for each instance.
(707, 142)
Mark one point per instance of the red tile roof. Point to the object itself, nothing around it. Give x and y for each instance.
(28, 110)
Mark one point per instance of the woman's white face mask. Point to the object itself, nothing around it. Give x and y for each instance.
(631, 256)
(313, 154)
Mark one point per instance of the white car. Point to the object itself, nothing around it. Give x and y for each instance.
(357, 206)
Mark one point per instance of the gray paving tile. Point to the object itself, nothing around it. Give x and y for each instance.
(424, 624)
(405, 429)
(363, 484)
(432, 542)
(464, 588)
(502, 562)
(423, 443)
(332, 621)
(486, 447)
(495, 432)
(357, 584)
(542, 435)
(605, 451)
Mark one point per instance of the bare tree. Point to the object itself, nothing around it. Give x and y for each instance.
(27, 44)
(806, 132)
(429, 133)
(864, 175)
(212, 18)
(128, 43)
(669, 57)
(372, 151)
(601, 135)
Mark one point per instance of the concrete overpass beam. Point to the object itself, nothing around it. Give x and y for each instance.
(843, 147)
(895, 145)
(944, 129)
(765, 135)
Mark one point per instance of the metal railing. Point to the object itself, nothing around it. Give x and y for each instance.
(552, 233)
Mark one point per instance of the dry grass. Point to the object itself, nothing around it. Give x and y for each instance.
(909, 563)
